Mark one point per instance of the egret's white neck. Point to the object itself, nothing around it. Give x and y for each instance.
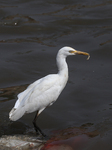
(62, 65)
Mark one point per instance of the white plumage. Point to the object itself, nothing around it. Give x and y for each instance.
(45, 91)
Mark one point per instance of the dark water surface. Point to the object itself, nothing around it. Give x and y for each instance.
(31, 33)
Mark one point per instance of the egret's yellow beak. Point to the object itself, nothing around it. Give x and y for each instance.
(82, 53)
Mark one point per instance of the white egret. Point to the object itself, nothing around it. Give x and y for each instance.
(45, 91)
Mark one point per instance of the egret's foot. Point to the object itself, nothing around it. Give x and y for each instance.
(40, 133)
(42, 136)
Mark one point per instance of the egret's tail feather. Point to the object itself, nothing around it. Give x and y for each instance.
(16, 114)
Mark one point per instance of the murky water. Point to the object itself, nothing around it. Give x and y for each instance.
(31, 33)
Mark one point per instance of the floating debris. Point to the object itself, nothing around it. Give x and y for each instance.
(20, 142)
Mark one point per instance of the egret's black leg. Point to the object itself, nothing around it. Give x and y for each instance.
(37, 129)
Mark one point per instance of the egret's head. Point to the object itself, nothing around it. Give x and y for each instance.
(66, 51)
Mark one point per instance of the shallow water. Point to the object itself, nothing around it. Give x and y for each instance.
(31, 33)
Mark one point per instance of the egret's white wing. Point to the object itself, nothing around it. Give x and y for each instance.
(35, 97)
(35, 89)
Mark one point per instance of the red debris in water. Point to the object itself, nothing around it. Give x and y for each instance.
(69, 139)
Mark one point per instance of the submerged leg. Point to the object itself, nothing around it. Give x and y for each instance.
(37, 129)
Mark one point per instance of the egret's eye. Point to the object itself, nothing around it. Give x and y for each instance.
(71, 51)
